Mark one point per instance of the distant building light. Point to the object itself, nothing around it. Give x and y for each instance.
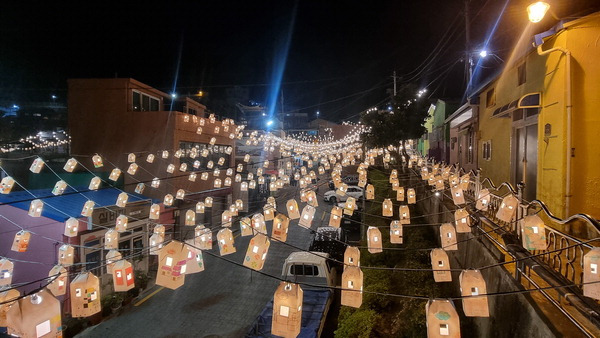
(270, 122)
(174, 95)
(483, 53)
(53, 97)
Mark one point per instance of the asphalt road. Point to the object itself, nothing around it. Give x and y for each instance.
(221, 301)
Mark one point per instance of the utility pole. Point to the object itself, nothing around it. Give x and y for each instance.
(394, 83)
(468, 59)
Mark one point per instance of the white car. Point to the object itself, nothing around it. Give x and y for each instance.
(353, 191)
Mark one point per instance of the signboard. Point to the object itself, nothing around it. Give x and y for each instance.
(107, 216)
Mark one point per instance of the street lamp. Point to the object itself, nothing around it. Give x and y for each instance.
(537, 10)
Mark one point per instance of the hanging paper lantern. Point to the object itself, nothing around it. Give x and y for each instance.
(218, 183)
(139, 188)
(208, 202)
(59, 278)
(155, 183)
(472, 285)
(180, 194)
(195, 261)
(183, 167)
(245, 226)
(225, 240)
(457, 195)
(311, 198)
(412, 196)
(395, 185)
(172, 259)
(448, 236)
(396, 232)
(269, 212)
(341, 191)
(370, 195)
(66, 255)
(350, 206)
(439, 183)
(247, 158)
(122, 200)
(154, 211)
(178, 153)
(21, 241)
(400, 194)
(591, 274)
(192, 177)
(132, 169)
(111, 239)
(244, 186)
(155, 243)
(37, 165)
(168, 200)
(404, 214)
(212, 141)
(442, 319)
(114, 174)
(59, 188)
(85, 295)
(88, 208)
(387, 208)
(226, 218)
(204, 176)
(111, 257)
(464, 181)
(6, 185)
(307, 216)
(97, 160)
(292, 209)
(351, 257)
(150, 158)
(258, 223)
(37, 315)
(6, 272)
(335, 218)
(462, 220)
(374, 242)
(205, 238)
(287, 310)
(256, 253)
(533, 233)
(190, 217)
(170, 168)
(239, 168)
(71, 227)
(440, 263)
(352, 286)
(507, 209)
(35, 208)
(280, 227)
(123, 279)
(393, 175)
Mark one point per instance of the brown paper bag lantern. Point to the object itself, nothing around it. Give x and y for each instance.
(341, 191)
(208, 202)
(442, 319)
(168, 200)
(114, 174)
(280, 227)
(121, 223)
(374, 242)
(7, 299)
(190, 217)
(591, 274)
(71, 227)
(400, 194)
(88, 208)
(448, 237)
(66, 255)
(271, 200)
(395, 185)
(404, 211)
(396, 232)
(440, 263)
(59, 275)
(464, 181)
(472, 284)
(36, 166)
(483, 200)
(350, 206)
(111, 239)
(387, 208)
(123, 279)
(411, 196)
(6, 272)
(59, 188)
(258, 223)
(195, 261)
(308, 213)
(35, 208)
(507, 209)
(6, 185)
(533, 233)
(172, 259)
(439, 183)
(85, 295)
(352, 286)
(21, 241)
(287, 310)
(457, 195)
(335, 218)
(37, 315)
(111, 257)
(351, 257)
(200, 207)
(245, 226)
(256, 254)
(226, 218)
(462, 220)
(268, 212)
(370, 192)
(292, 209)
(225, 240)
(453, 180)
(155, 243)
(205, 238)
(311, 198)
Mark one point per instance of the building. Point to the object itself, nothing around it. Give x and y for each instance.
(463, 136)
(423, 142)
(439, 140)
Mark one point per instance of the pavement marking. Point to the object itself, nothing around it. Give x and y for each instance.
(322, 216)
(148, 296)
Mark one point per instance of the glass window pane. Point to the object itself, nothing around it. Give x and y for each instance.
(145, 103)
(136, 102)
(154, 103)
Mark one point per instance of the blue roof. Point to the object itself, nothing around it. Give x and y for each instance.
(60, 208)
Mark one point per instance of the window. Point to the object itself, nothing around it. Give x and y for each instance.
(487, 150)
(470, 138)
(304, 270)
(192, 111)
(490, 98)
(521, 74)
(143, 102)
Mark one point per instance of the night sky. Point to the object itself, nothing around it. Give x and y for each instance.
(340, 59)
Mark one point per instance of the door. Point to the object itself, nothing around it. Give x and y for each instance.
(526, 159)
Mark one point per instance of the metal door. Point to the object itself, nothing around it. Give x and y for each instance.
(526, 159)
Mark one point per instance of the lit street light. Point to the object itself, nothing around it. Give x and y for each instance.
(537, 11)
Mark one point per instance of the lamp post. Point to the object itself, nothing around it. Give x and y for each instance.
(536, 12)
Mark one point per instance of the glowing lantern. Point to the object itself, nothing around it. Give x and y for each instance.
(507, 209)
(59, 188)
(256, 253)
(170, 168)
(258, 223)
(139, 188)
(172, 259)
(122, 200)
(21, 241)
(280, 227)
(85, 295)
(154, 211)
(247, 158)
(132, 169)
(111, 257)
(59, 278)
(212, 141)
(533, 233)
(7, 299)
(195, 261)
(155, 183)
(412, 196)
(35, 208)
(71, 227)
(150, 158)
(350, 206)
(218, 183)
(245, 226)
(88, 208)
(439, 183)
(287, 310)
(155, 243)
(292, 209)
(343, 188)
(400, 194)
(226, 218)
(442, 319)
(66, 255)
(227, 182)
(269, 212)
(352, 286)
(225, 240)
(178, 153)
(97, 160)
(205, 238)
(114, 174)
(192, 177)
(440, 263)
(6, 185)
(396, 232)
(111, 239)
(204, 176)
(335, 218)
(168, 200)
(457, 195)
(404, 214)
(183, 167)
(204, 153)
(6, 272)
(370, 192)
(37, 166)
(374, 242)
(239, 168)
(462, 220)
(261, 180)
(472, 285)
(591, 274)
(395, 185)
(37, 315)
(311, 198)
(250, 176)
(448, 236)
(229, 172)
(453, 180)
(387, 208)
(244, 186)
(464, 182)
(393, 175)
(351, 257)
(123, 279)
(208, 202)
(308, 213)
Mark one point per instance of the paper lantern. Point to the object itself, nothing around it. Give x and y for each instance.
(350, 206)
(245, 226)
(154, 211)
(35, 208)
(374, 242)
(180, 194)
(216, 172)
(472, 285)
(159, 229)
(192, 177)
(400, 194)
(387, 208)
(287, 310)
(457, 195)
(111, 257)
(66, 255)
(7, 299)
(442, 319)
(183, 167)
(111, 239)
(156, 243)
(178, 153)
(190, 217)
(212, 141)
(370, 194)
(247, 158)
(533, 233)
(292, 209)
(164, 154)
(122, 200)
(341, 191)
(132, 169)
(114, 174)
(37, 165)
(396, 232)
(218, 183)
(464, 181)
(59, 188)
(6, 272)
(172, 259)
(352, 286)
(335, 217)
(122, 274)
(244, 186)
(88, 208)
(97, 160)
(439, 183)
(453, 180)
(307, 216)
(412, 196)
(404, 212)
(59, 277)
(311, 198)
(168, 200)
(226, 218)
(591, 274)
(280, 227)
(21, 241)
(239, 168)
(139, 188)
(258, 223)
(256, 253)
(170, 168)
(462, 221)
(448, 236)
(395, 185)
(507, 209)
(71, 227)
(195, 261)
(6, 185)
(351, 257)
(37, 315)
(155, 183)
(150, 158)
(225, 240)
(85, 295)
(440, 263)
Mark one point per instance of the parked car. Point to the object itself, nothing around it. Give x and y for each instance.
(353, 191)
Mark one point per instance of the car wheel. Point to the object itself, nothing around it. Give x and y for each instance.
(333, 200)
